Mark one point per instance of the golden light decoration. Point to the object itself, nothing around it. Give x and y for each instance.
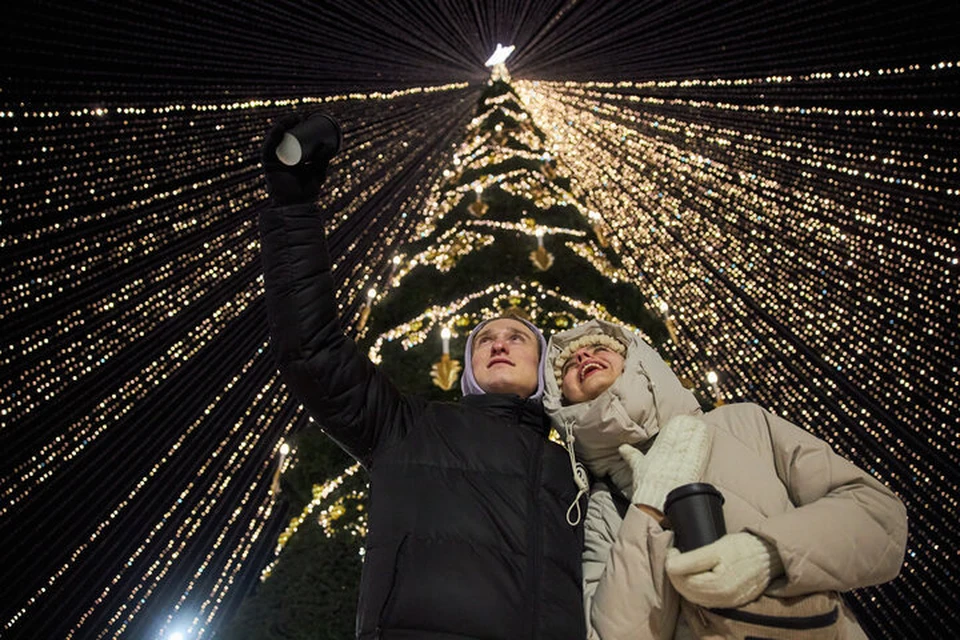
(284, 451)
(478, 208)
(540, 257)
(446, 372)
(365, 309)
(548, 170)
(598, 228)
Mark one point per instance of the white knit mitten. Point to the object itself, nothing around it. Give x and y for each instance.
(729, 572)
(678, 456)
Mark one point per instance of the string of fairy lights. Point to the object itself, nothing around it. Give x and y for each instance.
(184, 261)
(797, 231)
(765, 253)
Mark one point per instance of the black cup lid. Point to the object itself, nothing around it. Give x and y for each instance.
(693, 488)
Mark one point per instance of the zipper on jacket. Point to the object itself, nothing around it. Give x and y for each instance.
(703, 618)
(535, 541)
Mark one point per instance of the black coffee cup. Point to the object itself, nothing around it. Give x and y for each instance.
(317, 139)
(695, 513)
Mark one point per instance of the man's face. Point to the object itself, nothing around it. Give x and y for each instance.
(589, 371)
(506, 358)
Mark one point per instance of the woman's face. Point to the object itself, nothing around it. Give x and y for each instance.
(588, 373)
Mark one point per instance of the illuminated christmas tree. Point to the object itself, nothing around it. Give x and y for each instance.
(778, 179)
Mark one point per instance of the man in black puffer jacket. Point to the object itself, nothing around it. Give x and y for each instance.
(468, 532)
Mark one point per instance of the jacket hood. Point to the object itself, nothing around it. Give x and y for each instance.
(632, 410)
(468, 383)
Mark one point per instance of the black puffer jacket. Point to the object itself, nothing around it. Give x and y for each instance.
(468, 535)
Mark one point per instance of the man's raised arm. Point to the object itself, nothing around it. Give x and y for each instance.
(353, 402)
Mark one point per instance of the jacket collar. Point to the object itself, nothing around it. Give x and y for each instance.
(527, 411)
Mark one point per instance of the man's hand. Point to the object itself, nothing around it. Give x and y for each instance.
(297, 184)
(730, 572)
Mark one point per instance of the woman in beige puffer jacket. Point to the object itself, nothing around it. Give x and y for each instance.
(799, 518)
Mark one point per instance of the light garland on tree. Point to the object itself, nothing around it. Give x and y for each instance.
(320, 493)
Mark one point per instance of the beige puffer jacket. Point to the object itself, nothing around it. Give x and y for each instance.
(834, 526)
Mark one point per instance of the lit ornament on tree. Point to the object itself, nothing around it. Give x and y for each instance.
(540, 257)
(446, 372)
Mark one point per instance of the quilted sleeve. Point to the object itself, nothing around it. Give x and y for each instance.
(351, 400)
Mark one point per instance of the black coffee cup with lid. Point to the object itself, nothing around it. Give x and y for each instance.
(317, 139)
(695, 513)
